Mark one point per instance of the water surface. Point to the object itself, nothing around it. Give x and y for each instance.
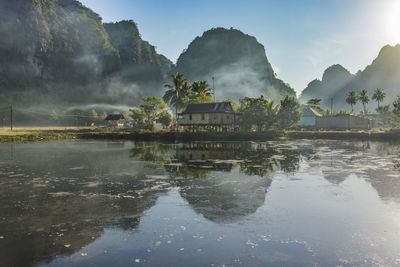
(300, 203)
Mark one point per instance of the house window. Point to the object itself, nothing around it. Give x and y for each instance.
(202, 117)
(190, 117)
(227, 117)
(215, 116)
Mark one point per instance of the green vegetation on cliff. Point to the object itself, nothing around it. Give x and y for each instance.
(236, 60)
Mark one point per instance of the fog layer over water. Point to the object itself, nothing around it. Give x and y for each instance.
(299, 203)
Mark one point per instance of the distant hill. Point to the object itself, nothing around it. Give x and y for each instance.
(384, 72)
(236, 60)
(59, 52)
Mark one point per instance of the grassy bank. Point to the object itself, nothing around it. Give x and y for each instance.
(37, 134)
(62, 133)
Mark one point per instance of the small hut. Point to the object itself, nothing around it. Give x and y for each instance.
(115, 120)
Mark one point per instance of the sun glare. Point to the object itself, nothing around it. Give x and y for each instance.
(393, 22)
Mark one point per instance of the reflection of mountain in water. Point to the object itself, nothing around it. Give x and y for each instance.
(227, 198)
(56, 199)
(373, 161)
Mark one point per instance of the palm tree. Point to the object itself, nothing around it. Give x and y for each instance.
(351, 99)
(364, 99)
(379, 95)
(177, 92)
(200, 88)
(316, 102)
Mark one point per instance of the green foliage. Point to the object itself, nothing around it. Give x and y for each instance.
(316, 102)
(258, 111)
(396, 106)
(164, 118)
(352, 99)
(364, 99)
(236, 60)
(200, 89)
(289, 112)
(177, 92)
(148, 113)
(138, 117)
(59, 52)
(379, 95)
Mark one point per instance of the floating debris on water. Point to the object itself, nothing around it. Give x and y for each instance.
(83, 254)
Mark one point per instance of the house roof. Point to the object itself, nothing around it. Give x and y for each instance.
(219, 107)
(309, 111)
(115, 117)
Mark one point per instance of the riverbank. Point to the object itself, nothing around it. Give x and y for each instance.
(51, 134)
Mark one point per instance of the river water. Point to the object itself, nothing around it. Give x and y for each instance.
(105, 203)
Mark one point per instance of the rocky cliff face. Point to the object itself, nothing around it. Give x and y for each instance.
(59, 51)
(384, 72)
(236, 61)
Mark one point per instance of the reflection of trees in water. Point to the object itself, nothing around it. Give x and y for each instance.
(153, 153)
(55, 195)
(252, 158)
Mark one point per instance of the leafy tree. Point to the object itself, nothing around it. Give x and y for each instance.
(91, 116)
(396, 106)
(383, 110)
(379, 95)
(164, 118)
(364, 99)
(289, 112)
(138, 117)
(177, 92)
(314, 102)
(127, 115)
(151, 108)
(199, 89)
(102, 117)
(258, 111)
(351, 99)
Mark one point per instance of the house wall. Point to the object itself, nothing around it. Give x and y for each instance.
(307, 121)
(343, 123)
(358, 123)
(334, 123)
(209, 118)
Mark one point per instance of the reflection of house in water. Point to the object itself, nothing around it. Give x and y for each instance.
(207, 155)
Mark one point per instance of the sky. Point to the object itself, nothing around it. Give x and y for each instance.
(301, 37)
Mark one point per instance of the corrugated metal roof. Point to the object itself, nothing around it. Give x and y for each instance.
(219, 107)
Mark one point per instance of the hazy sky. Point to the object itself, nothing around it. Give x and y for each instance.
(301, 38)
